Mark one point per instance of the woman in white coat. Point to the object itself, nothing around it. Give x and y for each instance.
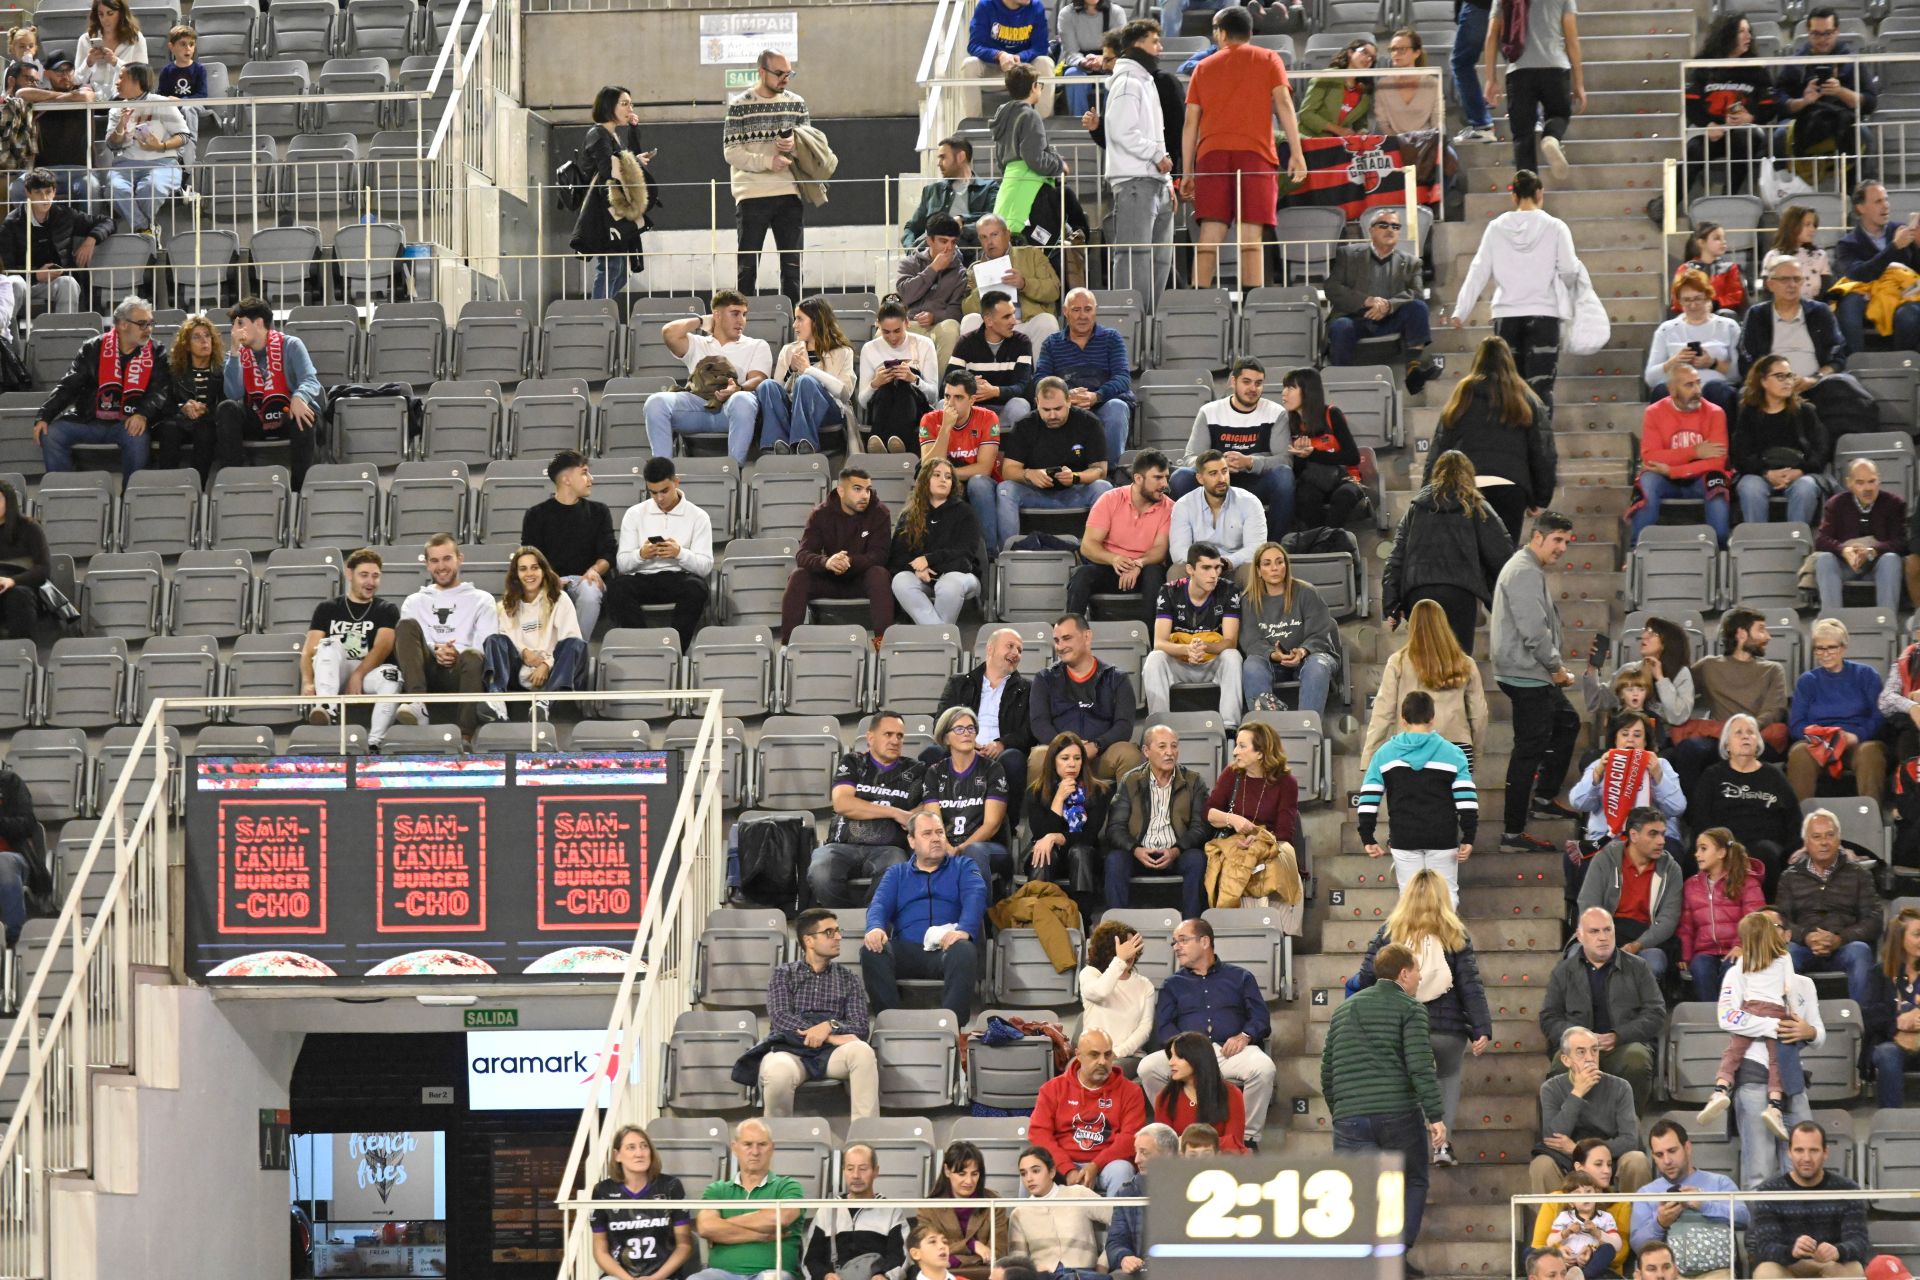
(1524, 251)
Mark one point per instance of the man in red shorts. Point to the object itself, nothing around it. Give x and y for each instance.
(1231, 102)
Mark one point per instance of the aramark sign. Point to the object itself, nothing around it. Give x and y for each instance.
(539, 1070)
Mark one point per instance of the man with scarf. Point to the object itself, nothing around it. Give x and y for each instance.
(117, 385)
(1637, 881)
(273, 393)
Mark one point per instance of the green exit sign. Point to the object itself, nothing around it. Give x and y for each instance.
(742, 77)
(486, 1019)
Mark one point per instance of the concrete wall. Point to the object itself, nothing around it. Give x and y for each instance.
(855, 60)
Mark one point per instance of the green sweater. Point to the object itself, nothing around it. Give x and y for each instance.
(752, 1258)
(1378, 1060)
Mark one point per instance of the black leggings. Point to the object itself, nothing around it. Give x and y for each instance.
(19, 613)
(1509, 502)
(1313, 507)
(1536, 348)
(1462, 608)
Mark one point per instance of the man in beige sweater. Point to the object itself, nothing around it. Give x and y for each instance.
(758, 142)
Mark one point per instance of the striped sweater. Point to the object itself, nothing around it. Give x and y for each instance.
(753, 126)
(1428, 785)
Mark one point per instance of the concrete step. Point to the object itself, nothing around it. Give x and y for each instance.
(1512, 978)
(1441, 1258)
(1488, 870)
(1635, 22)
(1495, 906)
(1529, 934)
(1491, 1115)
(1510, 1036)
(1489, 199)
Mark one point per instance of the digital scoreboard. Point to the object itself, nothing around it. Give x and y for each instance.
(1224, 1219)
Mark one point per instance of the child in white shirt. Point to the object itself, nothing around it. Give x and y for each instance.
(1753, 999)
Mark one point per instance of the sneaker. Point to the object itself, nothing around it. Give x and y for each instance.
(876, 445)
(1554, 811)
(896, 444)
(804, 447)
(320, 714)
(1521, 842)
(1772, 1118)
(1556, 156)
(780, 448)
(1476, 133)
(1443, 1157)
(1717, 1106)
(543, 708)
(491, 710)
(411, 713)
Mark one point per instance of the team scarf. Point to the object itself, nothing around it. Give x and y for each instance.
(1356, 173)
(1828, 745)
(265, 381)
(116, 388)
(1623, 772)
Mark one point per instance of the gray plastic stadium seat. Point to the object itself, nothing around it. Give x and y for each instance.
(1008, 1077)
(647, 357)
(75, 510)
(462, 422)
(1673, 567)
(202, 268)
(893, 476)
(1258, 940)
(1021, 974)
(1167, 413)
(70, 855)
(19, 682)
(622, 425)
(913, 666)
(516, 735)
(362, 74)
(1891, 451)
(251, 741)
(299, 579)
(303, 29)
(1155, 925)
(332, 335)
(752, 577)
(122, 264)
(249, 507)
(735, 955)
(422, 740)
(1893, 378)
(55, 338)
(853, 925)
(713, 485)
(395, 171)
(1309, 750)
(1036, 645)
(696, 1076)
(1874, 636)
(285, 261)
(339, 505)
(1030, 586)
(53, 764)
(610, 735)
(160, 511)
(796, 762)
(178, 666)
(367, 260)
(1282, 326)
(1763, 564)
(1861, 822)
(86, 682)
(856, 312)
(406, 342)
(211, 594)
(736, 773)
(1691, 1053)
(1370, 397)
(738, 661)
(803, 1150)
(274, 77)
(903, 1148)
(493, 340)
(328, 740)
(486, 564)
(261, 666)
(1123, 311)
(382, 28)
(415, 76)
(509, 488)
(122, 594)
(692, 1150)
(1001, 1139)
(1891, 1160)
(918, 1058)
(19, 451)
(1194, 324)
(1833, 1068)
(836, 662)
(372, 430)
(226, 31)
(116, 750)
(580, 338)
(547, 415)
(1306, 234)
(1842, 1155)
(620, 483)
(638, 660)
(426, 498)
(1339, 578)
(235, 175)
(1124, 646)
(1202, 739)
(917, 737)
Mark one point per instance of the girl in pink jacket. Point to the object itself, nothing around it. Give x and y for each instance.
(1712, 904)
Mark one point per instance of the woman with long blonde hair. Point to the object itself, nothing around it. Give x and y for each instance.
(1286, 633)
(1449, 548)
(1499, 425)
(198, 360)
(1459, 1020)
(1432, 661)
(538, 645)
(643, 1242)
(935, 557)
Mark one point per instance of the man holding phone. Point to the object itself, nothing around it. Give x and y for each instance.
(1863, 255)
(1056, 457)
(1823, 98)
(665, 556)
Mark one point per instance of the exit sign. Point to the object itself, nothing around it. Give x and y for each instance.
(485, 1019)
(742, 77)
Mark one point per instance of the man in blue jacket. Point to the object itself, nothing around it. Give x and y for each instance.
(926, 921)
(1083, 695)
(1863, 256)
(1004, 33)
(1224, 1003)
(272, 392)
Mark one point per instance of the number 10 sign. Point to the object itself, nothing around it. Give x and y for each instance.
(1207, 1216)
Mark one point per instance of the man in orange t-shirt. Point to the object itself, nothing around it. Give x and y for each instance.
(1229, 158)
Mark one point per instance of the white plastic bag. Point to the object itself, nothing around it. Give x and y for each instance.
(1584, 326)
(1778, 184)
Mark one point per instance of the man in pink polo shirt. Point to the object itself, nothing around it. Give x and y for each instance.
(1124, 547)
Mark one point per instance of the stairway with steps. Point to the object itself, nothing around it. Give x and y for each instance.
(1513, 903)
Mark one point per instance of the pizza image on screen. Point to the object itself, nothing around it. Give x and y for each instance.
(430, 962)
(584, 959)
(273, 964)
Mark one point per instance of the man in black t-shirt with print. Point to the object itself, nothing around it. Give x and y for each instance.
(350, 646)
(875, 795)
(1196, 635)
(1056, 458)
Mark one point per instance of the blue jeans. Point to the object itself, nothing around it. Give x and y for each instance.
(1831, 573)
(1469, 39)
(1176, 11)
(586, 603)
(1851, 312)
(1656, 958)
(13, 892)
(671, 413)
(1116, 416)
(1707, 972)
(1657, 489)
(797, 417)
(609, 276)
(1257, 672)
(1409, 320)
(983, 497)
(503, 666)
(1079, 96)
(1855, 958)
(1405, 1133)
(56, 451)
(1803, 499)
(1012, 497)
(992, 857)
(138, 190)
(1761, 1154)
(1274, 488)
(1890, 1065)
(1191, 864)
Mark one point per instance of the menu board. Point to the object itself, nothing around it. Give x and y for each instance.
(304, 868)
(527, 1226)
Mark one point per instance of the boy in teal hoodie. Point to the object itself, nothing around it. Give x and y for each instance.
(1428, 784)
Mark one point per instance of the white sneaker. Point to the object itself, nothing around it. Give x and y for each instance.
(1717, 1106)
(543, 708)
(1556, 156)
(491, 710)
(411, 713)
(1474, 134)
(320, 714)
(1772, 1118)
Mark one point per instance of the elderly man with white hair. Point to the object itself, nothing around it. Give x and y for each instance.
(999, 694)
(1862, 538)
(759, 1243)
(1026, 275)
(1584, 1102)
(1127, 1233)
(1092, 359)
(1831, 910)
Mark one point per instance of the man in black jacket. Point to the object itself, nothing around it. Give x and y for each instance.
(576, 535)
(1797, 327)
(63, 239)
(118, 384)
(1083, 695)
(23, 854)
(997, 693)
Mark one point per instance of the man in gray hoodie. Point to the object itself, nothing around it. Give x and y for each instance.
(1528, 666)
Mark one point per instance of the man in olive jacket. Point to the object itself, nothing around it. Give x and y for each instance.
(1378, 1076)
(1180, 846)
(1611, 992)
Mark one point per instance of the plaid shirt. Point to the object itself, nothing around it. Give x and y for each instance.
(798, 998)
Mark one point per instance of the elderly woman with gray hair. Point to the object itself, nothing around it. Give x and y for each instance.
(969, 792)
(1748, 797)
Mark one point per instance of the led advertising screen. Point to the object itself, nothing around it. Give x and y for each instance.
(322, 868)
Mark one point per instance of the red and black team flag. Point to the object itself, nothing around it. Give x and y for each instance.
(1363, 170)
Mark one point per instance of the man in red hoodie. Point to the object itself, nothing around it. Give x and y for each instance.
(1087, 1116)
(1683, 453)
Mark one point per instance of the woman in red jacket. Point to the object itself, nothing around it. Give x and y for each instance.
(1196, 1091)
(1713, 901)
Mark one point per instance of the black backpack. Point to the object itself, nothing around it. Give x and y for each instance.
(774, 852)
(1320, 540)
(570, 185)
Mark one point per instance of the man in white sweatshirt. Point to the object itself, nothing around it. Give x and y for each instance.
(441, 641)
(1523, 251)
(1137, 167)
